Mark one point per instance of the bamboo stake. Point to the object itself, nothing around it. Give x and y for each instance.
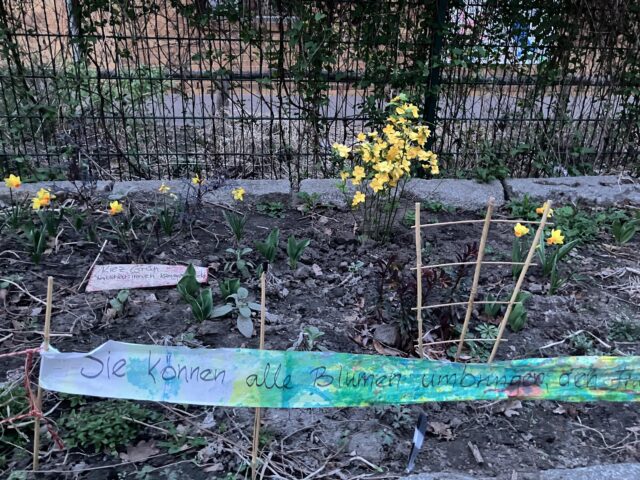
(527, 263)
(256, 423)
(419, 280)
(453, 304)
(45, 347)
(497, 220)
(453, 264)
(476, 276)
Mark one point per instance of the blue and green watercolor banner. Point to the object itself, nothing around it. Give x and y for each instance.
(277, 379)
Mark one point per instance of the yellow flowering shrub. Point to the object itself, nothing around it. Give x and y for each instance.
(383, 162)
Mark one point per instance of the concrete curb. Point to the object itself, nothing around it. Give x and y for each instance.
(327, 191)
(462, 194)
(604, 190)
(254, 189)
(616, 471)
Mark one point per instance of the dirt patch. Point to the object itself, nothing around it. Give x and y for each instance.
(338, 289)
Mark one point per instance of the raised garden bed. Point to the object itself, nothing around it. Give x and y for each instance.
(345, 295)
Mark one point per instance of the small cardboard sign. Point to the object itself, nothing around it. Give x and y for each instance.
(119, 276)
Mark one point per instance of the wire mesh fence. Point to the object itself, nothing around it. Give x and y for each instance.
(261, 89)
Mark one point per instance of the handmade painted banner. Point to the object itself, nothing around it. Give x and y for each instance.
(119, 276)
(277, 379)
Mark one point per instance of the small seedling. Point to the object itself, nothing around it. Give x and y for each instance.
(491, 310)
(105, 425)
(269, 248)
(180, 441)
(523, 209)
(295, 249)
(312, 335)
(271, 209)
(200, 299)
(236, 224)
(168, 217)
(118, 303)
(436, 207)
(242, 306)
(309, 201)
(36, 240)
(624, 330)
(623, 231)
(239, 265)
(478, 350)
(409, 219)
(583, 345)
(355, 266)
(229, 286)
(518, 316)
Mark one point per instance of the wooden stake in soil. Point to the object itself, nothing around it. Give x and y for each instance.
(476, 276)
(256, 423)
(45, 346)
(419, 279)
(523, 273)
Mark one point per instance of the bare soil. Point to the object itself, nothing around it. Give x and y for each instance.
(337, 290)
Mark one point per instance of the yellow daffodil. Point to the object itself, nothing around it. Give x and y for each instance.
(12, 181)
(540, 210)
(520, 230)
(361, 137)
(164, 188)
(358, 198)
(238, 194)
(197, 180)
(358, 175)
(37, 205)
(342, 150)
(344, 176)
(556, 238)
(115, 208)
(44, 197)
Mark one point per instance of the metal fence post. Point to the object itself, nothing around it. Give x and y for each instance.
(433, 83)
(74, 29)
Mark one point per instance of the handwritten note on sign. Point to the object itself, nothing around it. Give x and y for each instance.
(276, 379)
(119, 276)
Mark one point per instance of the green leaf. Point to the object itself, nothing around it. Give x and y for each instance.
(245, 325)
(188, 286)
(243, 293)
(254, 306)
(222, 310)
